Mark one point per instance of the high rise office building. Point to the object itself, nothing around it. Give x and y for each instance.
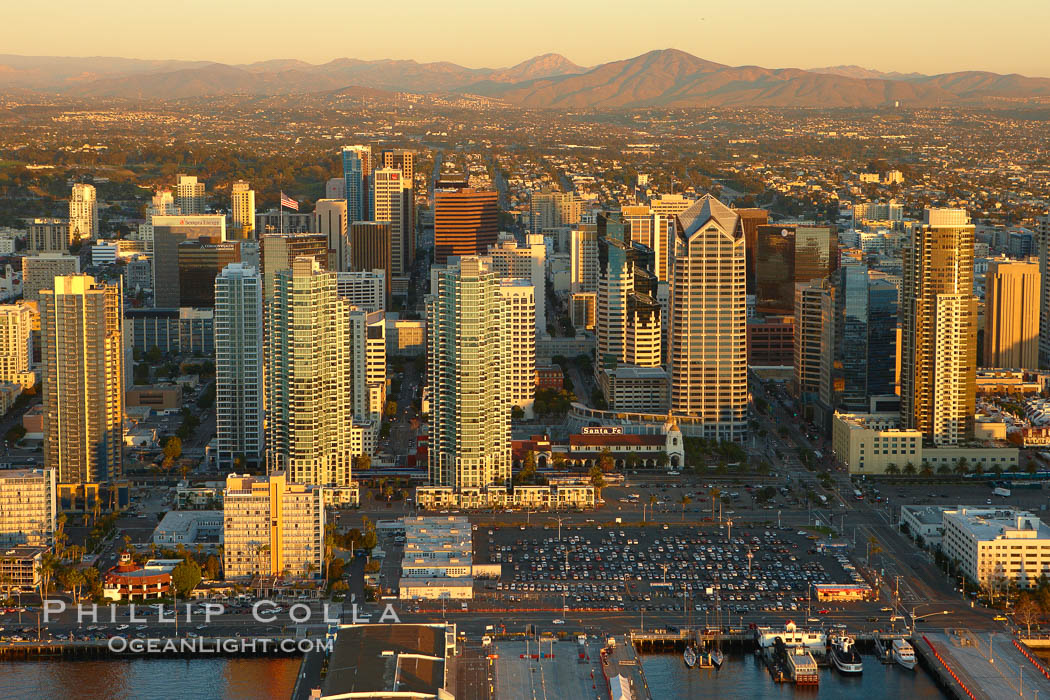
(238, 367)
(466, 222)
(16, 344)
(189, 195)
(583, 258)
(389, 207)
(272, 526)
(39, 272)
(1011, 315)
(750, 220)
(168, 232)
(553, 210)
(83, 212)
(82, 356)
(938, 328)
(335, 188)
(786, 256)
(368, 364)
(811, 303)
(467, 371)
(405, 162)
(357, 178)
(667, 208)
(1043, 246)
(707, 332)
(309, 412)
(199, 263)
(519, 306)
(28, 507)
(277, 253)
(370, 249)
(330, 219)
(242, 211)
(365, 289)
(528, 261)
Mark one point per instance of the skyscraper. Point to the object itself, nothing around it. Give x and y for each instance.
(370, 249)
(309, 412)
(16, 344)
(583, 258)
(49, 236)
(242, 211)
(527, 262)
(553, 210)
(238, 367)
(199, 262)
(330, 219)
(786, 256)
(82, 351)
(750, 220)
(519, 306)
(938, 328)
(168, 233)
(277, 252)
(389, 207)
(357, 177)
(468, 355)
(707, 331)
(810, 306)
(466, 222)
(30, 506)
(39, 272)
(1043, 245)
(666, 207)
(189, 195)
(1011, 315)
(83, 212)
(405, 162)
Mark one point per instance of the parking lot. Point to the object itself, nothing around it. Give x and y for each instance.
(660, 568)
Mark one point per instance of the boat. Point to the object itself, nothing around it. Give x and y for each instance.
(844, 657)
(903, 653)
(717, 657)
(792, 636)
(796, 663)
(689, 656)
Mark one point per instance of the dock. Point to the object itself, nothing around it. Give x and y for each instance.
(984, 666)
(555, 670)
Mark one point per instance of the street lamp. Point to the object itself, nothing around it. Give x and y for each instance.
(915, 619)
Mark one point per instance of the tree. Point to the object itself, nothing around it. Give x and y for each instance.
(925, 469)
(172, 450)
(961, 466)
(909, 469)
(362, 463)
(605, 461)
(597, 480)
(892, 468)
(517, 413)
(185, 577)
(213, 567)
(1027, 611)
(391, 408)
(685, 501)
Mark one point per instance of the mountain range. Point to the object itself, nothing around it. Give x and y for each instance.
(665, 78)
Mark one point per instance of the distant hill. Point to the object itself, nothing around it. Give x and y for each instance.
(665, 78)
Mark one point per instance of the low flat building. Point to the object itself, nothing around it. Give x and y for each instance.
(157, 398)
(926, 522)
(873, 443)
(172, 330)
(994, 546)
(842, 592)
(189, 527)
(20, 568)
(550, 497)
(646, 449)
(634, 388)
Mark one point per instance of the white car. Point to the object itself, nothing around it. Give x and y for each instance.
(559, 621)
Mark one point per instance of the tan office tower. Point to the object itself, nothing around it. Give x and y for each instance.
(49, 236)
(707, 331)
(40, 271)
(1011, 315)
(809, 338)
(939, 328)
(16, 344)
(83, 213)
(405, 162)
(466, 222)
(527, 262)
(583, 258)
(388, 203)
(242, 211)
(271, 526)
(189, 195)
(309, 411)
(278, 251)
(667, 208)
(330, 219)
(82, 356)
(553, 210)
(468, 358)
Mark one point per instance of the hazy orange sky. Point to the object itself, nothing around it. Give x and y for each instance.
(929, 36)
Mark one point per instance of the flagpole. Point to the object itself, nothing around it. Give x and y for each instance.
(281, 215)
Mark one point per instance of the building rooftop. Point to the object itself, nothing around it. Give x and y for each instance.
(365, 660)
(988, 524)
(927, 515)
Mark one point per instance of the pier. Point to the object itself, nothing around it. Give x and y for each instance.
(288, 645)
(982, 666)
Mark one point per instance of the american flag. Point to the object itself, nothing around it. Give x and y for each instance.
(289, 203)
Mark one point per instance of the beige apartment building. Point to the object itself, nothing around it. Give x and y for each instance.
(28, 507)
(271, 527)
(938, 316)
(996, 546)
(1011, 315)
(16, 344)
(82, 356)
(83, 212)
(39, 272)
(242, 211)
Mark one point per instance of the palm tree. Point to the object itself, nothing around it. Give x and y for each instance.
(925, 469)
(961, 466)
(944, 469)
(892, 468)
(909, 469)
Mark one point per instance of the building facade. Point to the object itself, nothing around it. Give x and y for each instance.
(28, 507)
(189, 195)
(239, 367)
(40, 271)
(466, 222)
(16, 344)
(242, 211)
(83, 212)
(1011, 315)
(168, 233)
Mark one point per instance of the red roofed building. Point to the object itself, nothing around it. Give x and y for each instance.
(129, 581)
(586, 448)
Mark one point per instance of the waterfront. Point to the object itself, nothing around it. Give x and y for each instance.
(272, 679)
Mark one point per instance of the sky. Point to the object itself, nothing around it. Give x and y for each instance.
(928, 36)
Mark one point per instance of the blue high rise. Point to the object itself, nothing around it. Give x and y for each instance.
(865, 337)
(353, 175)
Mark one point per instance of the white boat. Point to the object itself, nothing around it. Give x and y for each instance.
(717, 657)
(903, 653)
(689, 656)
(844, 656)
(792, 636)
